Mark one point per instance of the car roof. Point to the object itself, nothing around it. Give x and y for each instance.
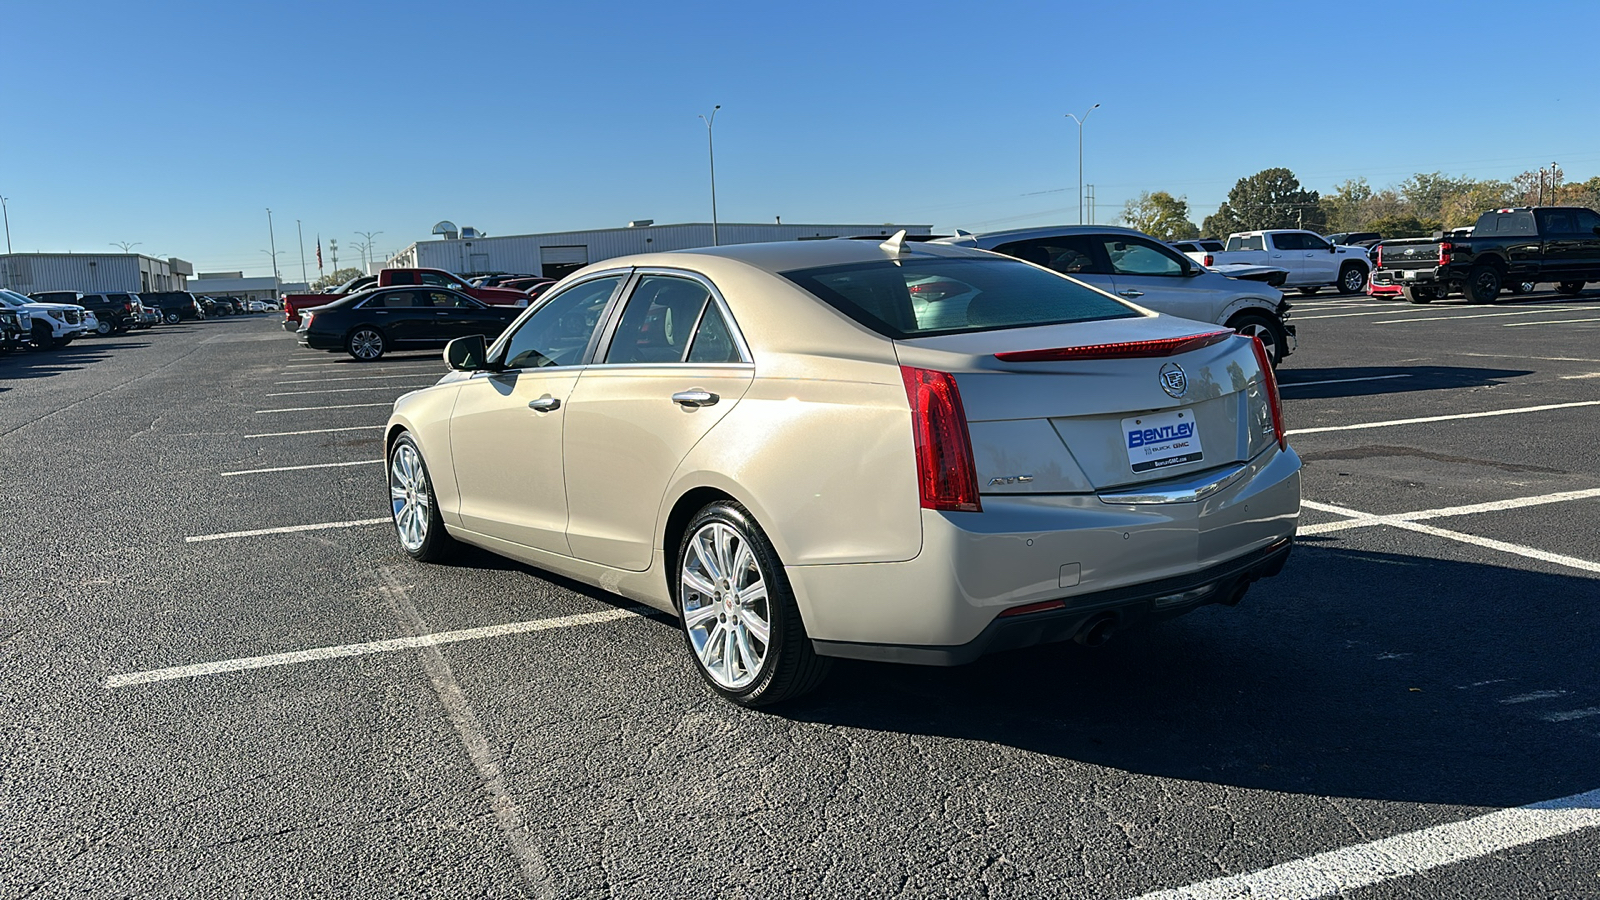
(784, 256)
(1042, 231)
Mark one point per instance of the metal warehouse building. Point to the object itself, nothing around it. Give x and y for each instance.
(234, 284)
(27, 273)
(555, 255)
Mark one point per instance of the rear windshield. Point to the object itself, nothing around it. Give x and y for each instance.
(909, 298)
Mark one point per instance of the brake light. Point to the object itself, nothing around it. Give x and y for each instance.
(1129, 350)
(1269, 383)
(1444, 252)
(947, 477)
(1208, 261)
(305, 319)
(1380, 256)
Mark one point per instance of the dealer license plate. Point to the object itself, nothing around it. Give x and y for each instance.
(1160, 440)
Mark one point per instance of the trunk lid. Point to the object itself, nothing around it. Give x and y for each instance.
(1084, 425)
(1418, 253)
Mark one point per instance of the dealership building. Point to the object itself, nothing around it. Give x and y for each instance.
(92, 273)
(235, 284)
(465, 252)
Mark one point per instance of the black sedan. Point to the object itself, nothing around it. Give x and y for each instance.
(370, 324)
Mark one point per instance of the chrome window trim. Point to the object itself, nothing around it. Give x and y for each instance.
(747, 358)
(497, 349)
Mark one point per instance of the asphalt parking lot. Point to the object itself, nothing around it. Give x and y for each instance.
(212, 680)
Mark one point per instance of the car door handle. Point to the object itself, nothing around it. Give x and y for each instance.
(695, 398)
(441, 314)
(1277, 256)
(546, 403)
(1130, 292)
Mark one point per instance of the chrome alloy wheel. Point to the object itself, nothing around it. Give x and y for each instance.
(1354, 280)
(1260, 330)
(409, 496)
(725, 606)
(366, 344)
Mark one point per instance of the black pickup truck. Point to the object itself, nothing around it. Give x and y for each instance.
(1507, 246)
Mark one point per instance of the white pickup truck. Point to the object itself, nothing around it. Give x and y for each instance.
(1313, 263)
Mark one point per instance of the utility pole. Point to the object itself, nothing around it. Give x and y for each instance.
(304, 278)
(333, 252)
(7, 212)
(1089, 193)
(711, 151)
(1080, 155)
(272, 237)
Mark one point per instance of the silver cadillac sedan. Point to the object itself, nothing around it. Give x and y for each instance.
(816, 449)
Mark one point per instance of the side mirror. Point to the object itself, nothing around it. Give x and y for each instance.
(1190, 270)
(1333, 248)
(466, 354)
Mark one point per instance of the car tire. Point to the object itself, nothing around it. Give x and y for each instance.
(1483, 284)
(1265, 328)
(171, 318)
(104, 327)
(366, 344)
(415, 508)
(1352, 279)
(1569, 288)
(44, 338)
(1420, 294)
(730, 588)
(1308, 291)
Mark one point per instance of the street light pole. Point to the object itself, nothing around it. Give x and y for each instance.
(366, 253)
(304, 278)
(7, 212)
(126, 246)
(272, 237)
(711, 151)
(1080, 122)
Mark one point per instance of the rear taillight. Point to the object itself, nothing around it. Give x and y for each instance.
(1128, 350)
(1269, 383)
(1209, 260)
(1380, 256)
(947, 477)
(1444, 252)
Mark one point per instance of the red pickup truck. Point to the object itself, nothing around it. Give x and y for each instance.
(294, 303)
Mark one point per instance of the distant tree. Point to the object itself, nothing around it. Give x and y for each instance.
(335, 278)
(1475, 199)
(1534, 187)
(1403, 226)
(1271, 198)
(1347, 206)
(1160, 215)
(1582, 193)
(1426, 193)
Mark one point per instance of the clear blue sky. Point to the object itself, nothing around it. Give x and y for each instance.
(177, 124)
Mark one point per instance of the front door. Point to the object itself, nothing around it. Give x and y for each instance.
(506, 432)
(672, 369)
(1152, 275)
(1321, 263)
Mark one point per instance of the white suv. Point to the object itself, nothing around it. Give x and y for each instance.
(54, 324)
(1138, 268)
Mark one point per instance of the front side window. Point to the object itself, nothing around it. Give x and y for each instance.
(1312, 242)
(1587, 221)
(1135, 257)
(987, 294)
(451, 300)
(559, 332)
(658, 322)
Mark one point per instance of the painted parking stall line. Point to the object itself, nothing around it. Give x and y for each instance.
(316, 408)
(270, 434)
(1556, 322)
(1290, 384)
(1559, 559)
(1449, 511)
(348, 390)
(1390, 423)
(286, 529)
(327, 465)
(1405, 855)
(351, 378)
(387, 645)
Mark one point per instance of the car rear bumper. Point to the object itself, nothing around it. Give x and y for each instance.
(1077, 557)
(1403, 277)
(313, 341)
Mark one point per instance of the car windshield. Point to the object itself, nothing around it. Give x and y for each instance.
(908, 298)
(12, 298)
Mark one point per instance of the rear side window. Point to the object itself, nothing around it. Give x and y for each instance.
(1288, 242)
(974, 295)
(1069, 255)
(658, 322)
(713, 340)
(1557, 222)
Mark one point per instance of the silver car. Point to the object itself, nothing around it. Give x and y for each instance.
(1140, 268)
(802, 457)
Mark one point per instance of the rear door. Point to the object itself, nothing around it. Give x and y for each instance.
(672, 367)
(1563, 245)
(1588, 239)
(507, 427)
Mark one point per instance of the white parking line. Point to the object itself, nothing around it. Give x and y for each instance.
(332, 465)
(1571, 562)
(1556, 322)
(370, 387)
(315, 431)
(1383, 312)
(356, 378)
(1426, 419)
(1520, 312)
(383, 646)
(1290, 384)
(1572, 714)
(1448, 511)
(315, 408)
(1348, 869)
(285, 529)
